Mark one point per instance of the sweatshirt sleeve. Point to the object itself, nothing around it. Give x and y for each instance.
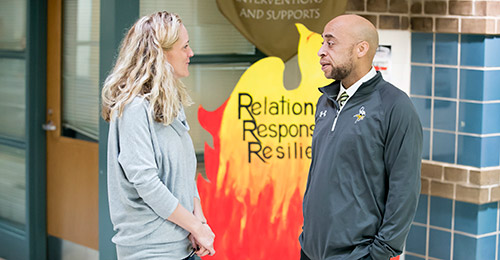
(402, 159)
(196, 192)
(137, 158)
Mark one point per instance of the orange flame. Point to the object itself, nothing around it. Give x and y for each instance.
(260, 159)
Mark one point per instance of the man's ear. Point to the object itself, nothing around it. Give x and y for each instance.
(362, 48)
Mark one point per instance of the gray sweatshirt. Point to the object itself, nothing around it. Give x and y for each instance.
(151, 168)
(364, 181)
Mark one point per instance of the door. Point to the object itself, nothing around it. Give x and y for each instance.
(72, 156)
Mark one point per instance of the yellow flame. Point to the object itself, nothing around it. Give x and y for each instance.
(263, 81)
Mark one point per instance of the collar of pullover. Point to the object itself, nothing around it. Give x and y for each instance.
(180, 124)
(332, 90)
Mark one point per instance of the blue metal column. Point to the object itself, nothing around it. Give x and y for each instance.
(116, 17)
(36, 99)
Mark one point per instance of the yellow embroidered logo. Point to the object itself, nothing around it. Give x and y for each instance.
(361, 115)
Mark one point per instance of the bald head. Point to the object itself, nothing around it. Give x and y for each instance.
(357, 29)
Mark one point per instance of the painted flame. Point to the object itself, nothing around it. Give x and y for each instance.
(255, 208)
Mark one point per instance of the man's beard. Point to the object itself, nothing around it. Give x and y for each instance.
(341, 72)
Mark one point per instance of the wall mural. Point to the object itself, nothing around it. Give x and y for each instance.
(258, 167)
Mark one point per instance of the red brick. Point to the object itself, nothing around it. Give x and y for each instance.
(355, 5)
(389, 22)
(447, 25)
(416, 7)
(376, 5)
(480, 8)
(461, 8)
(482, 26)
(433, 171)
(405, 23)
(435, 7)
(493, 8)
(398, 6)
(421, 24)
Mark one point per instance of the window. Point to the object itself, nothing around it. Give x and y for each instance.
(80, 69)
(13, 112)
(222, 55)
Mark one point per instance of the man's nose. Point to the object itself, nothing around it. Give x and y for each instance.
(321, 51)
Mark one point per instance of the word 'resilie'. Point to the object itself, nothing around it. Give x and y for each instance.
(253, 132)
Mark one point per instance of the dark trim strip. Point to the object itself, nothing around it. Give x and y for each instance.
(4, 140)
(225, 58)
(6, 54)
(13, 228)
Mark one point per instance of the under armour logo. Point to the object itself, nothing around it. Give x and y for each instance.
(322, 113)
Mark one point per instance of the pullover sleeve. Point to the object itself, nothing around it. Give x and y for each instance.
(196, 192)
(137, 159)
(402, 159)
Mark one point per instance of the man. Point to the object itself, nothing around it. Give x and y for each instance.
(364, 179)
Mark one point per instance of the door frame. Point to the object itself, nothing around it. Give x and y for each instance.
(117, 16)
(31, 242)
(36, 104)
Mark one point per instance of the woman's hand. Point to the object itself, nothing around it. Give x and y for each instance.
(201, 231)
(200, 251)
(203, 237)
(198, 213)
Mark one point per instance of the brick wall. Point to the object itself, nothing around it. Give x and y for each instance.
(384, 14)
(442, 16)
(461, 183)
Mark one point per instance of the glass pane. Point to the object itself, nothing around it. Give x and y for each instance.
(80, 80)
(209, 86)
(209, 31)
(12, 98)
(13, 25)
(12, 185)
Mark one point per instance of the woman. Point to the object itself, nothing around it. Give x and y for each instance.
(154, 203)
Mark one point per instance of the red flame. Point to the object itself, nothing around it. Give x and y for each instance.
(260, 239)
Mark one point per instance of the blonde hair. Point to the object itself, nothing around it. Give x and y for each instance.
(143, 70)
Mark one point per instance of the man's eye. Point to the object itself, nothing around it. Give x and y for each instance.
(327, 43)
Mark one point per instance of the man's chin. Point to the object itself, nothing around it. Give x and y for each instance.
(328, 75)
